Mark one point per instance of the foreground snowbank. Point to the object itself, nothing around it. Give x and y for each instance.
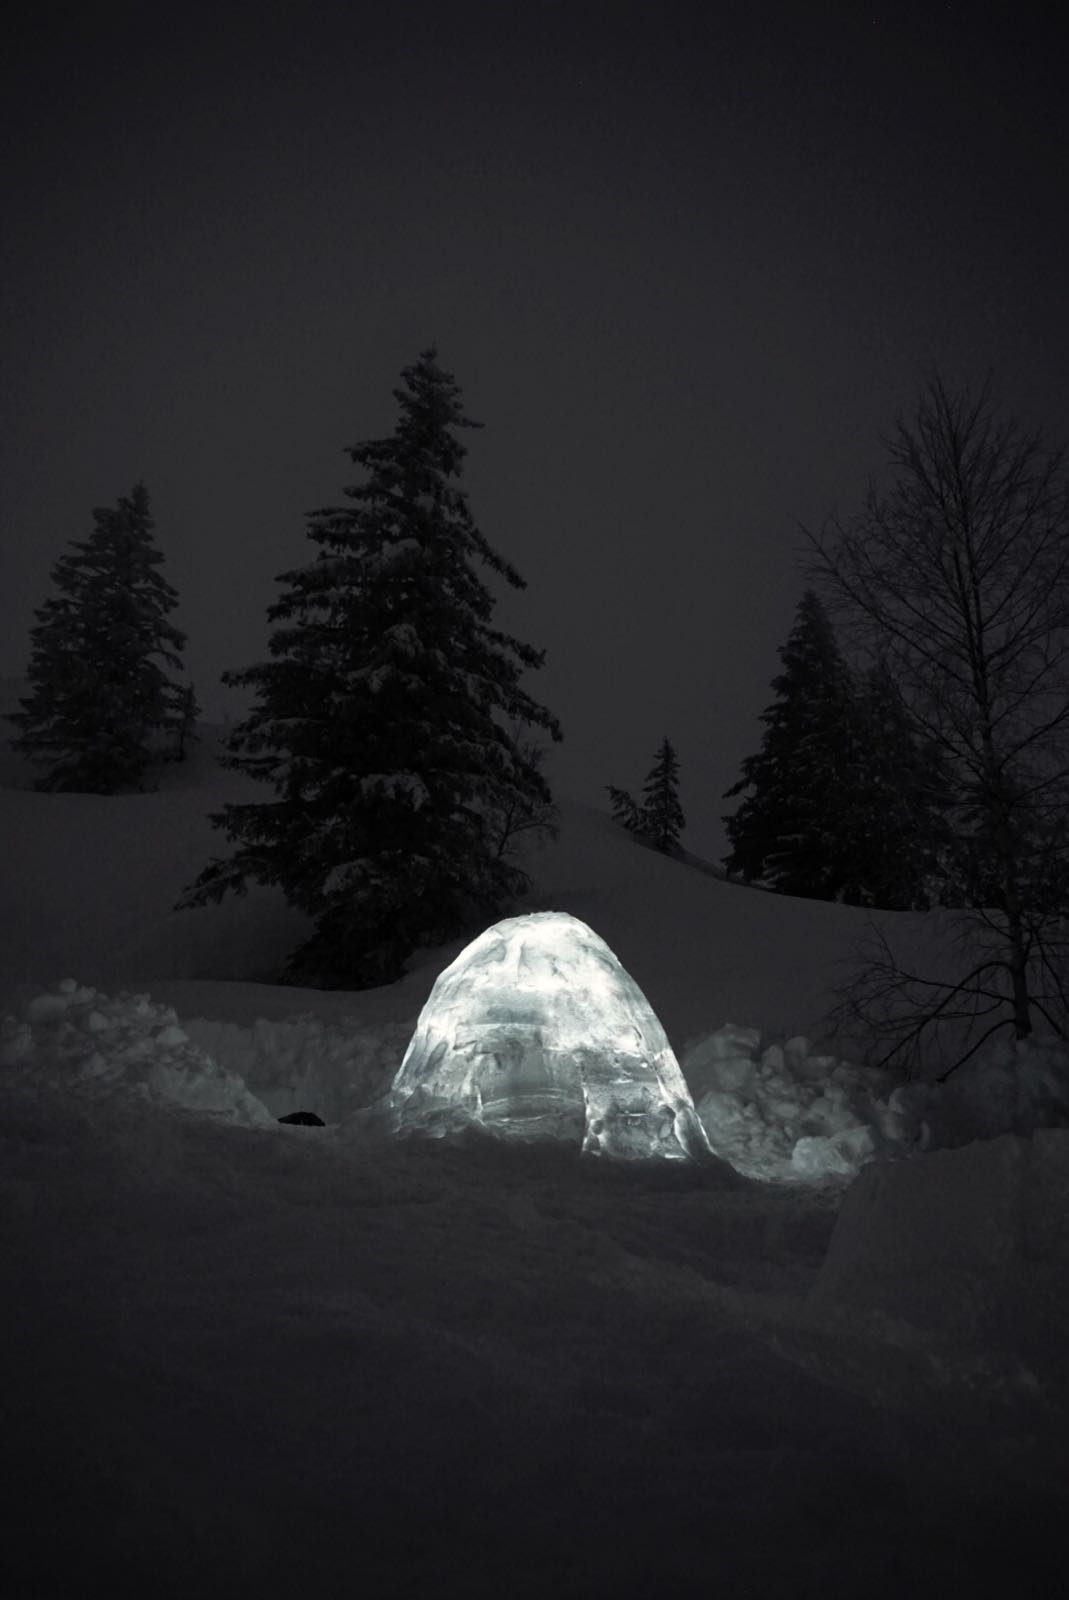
(967, 1243)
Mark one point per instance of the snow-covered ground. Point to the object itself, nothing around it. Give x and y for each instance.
(246, 1357)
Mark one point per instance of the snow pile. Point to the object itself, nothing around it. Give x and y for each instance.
(535, 1031)
(307, 1063)
(77, 1040)
(782, 1113)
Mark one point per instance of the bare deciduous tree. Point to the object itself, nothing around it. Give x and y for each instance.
(520, 819)
(956, 576)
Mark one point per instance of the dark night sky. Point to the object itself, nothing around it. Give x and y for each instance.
(686, 262)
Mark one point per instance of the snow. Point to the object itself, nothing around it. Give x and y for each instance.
(306, 1063)
(971, 1241)
(77, 1041)
(407, 784)
(536, 1031)
(252, 1358)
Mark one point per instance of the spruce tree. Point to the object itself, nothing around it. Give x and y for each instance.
(786, 832)
(101, 705)
(662, 814)
(382, 720)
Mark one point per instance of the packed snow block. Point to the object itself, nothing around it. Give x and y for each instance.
(971, 1241)
(536, 1031)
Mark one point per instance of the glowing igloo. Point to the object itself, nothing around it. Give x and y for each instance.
(536, 1031)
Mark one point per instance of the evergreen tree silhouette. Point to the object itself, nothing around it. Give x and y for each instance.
(660, 817)
(101, 707)
(842, 802)
(385, 720)
(662, 814)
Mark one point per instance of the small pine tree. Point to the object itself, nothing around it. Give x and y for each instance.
(662, 814)
(625, 808)
(99, 695)
(184, 714)
(382, 720)
(660, 818)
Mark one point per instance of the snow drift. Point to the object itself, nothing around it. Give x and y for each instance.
(536, 1031)
(967, 1243)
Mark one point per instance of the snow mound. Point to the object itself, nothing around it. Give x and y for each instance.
(306, 1063)
(967, 1242)
(74, 1039)
(536, 1031)
(784, 1113)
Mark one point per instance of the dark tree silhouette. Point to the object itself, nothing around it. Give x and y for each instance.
(185, 723)
(660, 817)
(956, 576)
(101, 708)
(625, 808)
(383, 719)
(522, 817)
(892, 805)
(838, 802)
(785, 832)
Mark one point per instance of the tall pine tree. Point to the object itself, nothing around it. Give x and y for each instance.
(842, 803)
(102, 708)
(385, 720)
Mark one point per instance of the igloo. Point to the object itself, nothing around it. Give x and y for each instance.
(535, 1031)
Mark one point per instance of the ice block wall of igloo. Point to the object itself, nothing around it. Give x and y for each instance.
(536, 1031)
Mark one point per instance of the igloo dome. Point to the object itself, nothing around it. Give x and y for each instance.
(536, 1031)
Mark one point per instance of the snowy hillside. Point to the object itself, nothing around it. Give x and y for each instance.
(89, 885)
(264, 1359)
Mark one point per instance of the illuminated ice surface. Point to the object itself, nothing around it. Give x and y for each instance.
(536, 1031)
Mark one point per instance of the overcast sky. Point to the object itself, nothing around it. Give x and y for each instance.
(686, 261)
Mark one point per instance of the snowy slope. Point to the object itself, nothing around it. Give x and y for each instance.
(88, 886)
